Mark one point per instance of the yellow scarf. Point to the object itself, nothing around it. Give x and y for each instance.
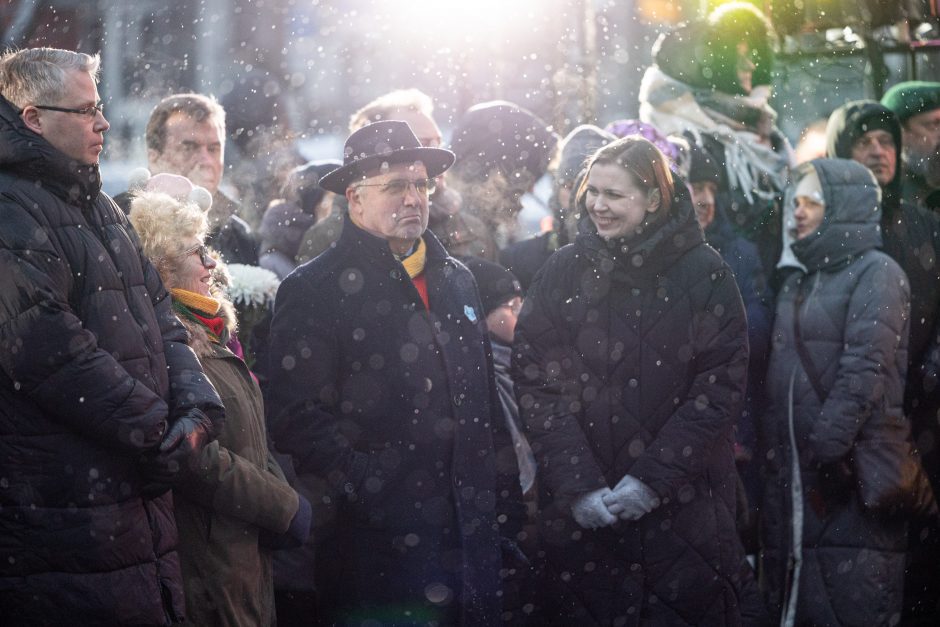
(192, 300)
(414, 263)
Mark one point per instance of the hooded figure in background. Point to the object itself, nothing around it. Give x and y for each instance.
(870, 133)
(910, 235)
(741, 256)
(836, 371)
(302, 204)
(710, 80)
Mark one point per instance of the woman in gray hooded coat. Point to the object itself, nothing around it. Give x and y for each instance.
(826, 559)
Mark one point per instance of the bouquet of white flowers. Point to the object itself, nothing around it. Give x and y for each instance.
(252, 290)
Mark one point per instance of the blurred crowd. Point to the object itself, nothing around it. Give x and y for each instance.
(352, 391)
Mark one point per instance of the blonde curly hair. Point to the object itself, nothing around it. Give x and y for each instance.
(166, 226)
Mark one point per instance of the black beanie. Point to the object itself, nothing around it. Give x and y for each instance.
(852, 120)
(496, 284)
(577, 147)
(303, 183)
(702, 166)
(504, 136)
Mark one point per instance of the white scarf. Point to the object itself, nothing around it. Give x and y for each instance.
(671, 107)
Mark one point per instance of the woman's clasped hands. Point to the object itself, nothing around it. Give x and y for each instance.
(630, 500)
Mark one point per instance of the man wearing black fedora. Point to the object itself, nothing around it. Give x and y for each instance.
(382, 391)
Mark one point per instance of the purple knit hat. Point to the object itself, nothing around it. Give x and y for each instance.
(622, 128)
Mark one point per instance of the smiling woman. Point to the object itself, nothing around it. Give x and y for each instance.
(630, 361)
(628, 182)
(616, 204)
(238, 490)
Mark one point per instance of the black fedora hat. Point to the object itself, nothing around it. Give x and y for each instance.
(388, 141)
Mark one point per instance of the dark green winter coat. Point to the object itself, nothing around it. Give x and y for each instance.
(237, 493)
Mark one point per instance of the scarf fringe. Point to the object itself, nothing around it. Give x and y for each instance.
(672, 107)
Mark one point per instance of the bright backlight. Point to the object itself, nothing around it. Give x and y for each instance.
(463, 20)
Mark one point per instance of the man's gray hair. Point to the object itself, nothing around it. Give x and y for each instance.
(40, 75)
(384, 106)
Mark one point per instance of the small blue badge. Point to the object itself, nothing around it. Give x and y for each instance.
(470, 313)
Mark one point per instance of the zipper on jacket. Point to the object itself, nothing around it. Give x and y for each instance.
(795, 558)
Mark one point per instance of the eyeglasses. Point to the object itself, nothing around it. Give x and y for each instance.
(398, 187)
(90, 112)
(204, 257)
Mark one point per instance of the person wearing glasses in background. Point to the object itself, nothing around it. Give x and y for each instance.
(103, 406)
(382, 391)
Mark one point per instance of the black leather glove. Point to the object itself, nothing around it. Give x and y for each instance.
(179, 449)
(187, 435)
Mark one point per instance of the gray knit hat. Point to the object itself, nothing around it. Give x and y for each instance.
(576, 147)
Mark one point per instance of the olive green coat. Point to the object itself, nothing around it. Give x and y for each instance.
(238, 491)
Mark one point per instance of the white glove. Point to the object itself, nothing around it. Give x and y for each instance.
(590, 512)
(631, 499)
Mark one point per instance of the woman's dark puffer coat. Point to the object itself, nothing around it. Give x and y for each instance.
(92, 363)
(854, 325)
(631, 357)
